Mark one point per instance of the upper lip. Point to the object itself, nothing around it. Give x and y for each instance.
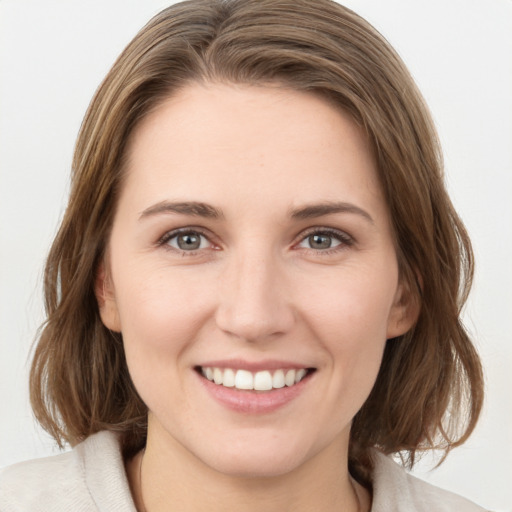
(254, 366)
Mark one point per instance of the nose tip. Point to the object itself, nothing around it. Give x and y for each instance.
(253, 302)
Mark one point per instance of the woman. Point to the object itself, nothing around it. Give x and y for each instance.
(254, 295)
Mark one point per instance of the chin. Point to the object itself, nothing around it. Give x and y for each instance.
(243, 466)
(256, 458)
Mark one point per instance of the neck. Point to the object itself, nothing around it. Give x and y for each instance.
(167, 477)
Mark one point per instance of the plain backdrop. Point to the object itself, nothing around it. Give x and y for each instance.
(53, 54)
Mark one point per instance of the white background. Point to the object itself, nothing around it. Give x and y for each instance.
(53, 55)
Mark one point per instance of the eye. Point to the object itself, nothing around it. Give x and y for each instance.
(186, 241)
(325, 239)
(319, 242)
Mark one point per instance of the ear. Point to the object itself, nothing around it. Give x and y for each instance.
(104, 291)
(404, 312)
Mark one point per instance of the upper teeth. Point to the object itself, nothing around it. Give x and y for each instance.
(259, 381)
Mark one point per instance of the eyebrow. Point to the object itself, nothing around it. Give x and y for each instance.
(205, 210)
(194, 208)
(318, 210)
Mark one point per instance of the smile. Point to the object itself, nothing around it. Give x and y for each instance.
(258, 381)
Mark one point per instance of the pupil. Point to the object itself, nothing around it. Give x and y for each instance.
(189, 242)
(320, 241)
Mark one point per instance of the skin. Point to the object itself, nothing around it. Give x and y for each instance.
(255, 290)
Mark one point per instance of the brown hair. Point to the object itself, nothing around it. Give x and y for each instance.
(429, 390)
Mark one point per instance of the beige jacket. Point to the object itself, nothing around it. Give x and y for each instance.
(91, 478)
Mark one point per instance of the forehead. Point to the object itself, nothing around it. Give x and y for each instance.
(268, 141)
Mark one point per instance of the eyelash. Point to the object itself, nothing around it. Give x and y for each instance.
(164, 240)
(342, 237)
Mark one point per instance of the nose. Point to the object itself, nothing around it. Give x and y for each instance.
(253, 302)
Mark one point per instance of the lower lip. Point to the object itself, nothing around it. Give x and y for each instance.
(254, 402)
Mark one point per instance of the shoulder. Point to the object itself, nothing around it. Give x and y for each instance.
(88, 478)
(41, 483)
(395, 490)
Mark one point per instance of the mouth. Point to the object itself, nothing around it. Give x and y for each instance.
(262, 381)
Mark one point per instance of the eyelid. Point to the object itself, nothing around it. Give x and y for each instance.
(345, 239)
(168, 235)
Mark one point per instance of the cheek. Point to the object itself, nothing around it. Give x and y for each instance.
(349, 317)
(353, 306)
(160, 314)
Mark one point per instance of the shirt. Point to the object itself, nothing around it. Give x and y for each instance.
(92, 478)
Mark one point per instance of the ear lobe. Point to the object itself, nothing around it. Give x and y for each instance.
(104, 291)
(404, 312)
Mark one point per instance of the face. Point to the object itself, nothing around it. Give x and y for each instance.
(252, 273)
